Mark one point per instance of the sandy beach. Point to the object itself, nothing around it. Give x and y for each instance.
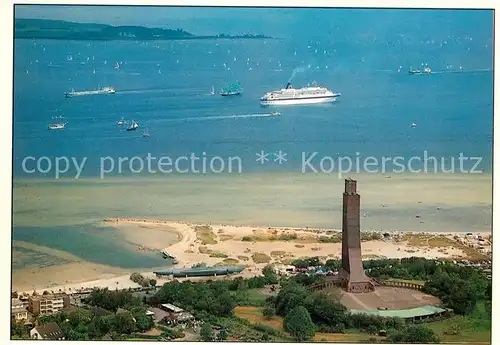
(253, 247)
(217, 243)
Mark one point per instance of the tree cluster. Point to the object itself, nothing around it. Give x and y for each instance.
(414, 334)
(141, 280)
(210, 298)
(112, 300)
(459, 287)
(307, 262)
(298, 306)
(85, 324)
(457, 291)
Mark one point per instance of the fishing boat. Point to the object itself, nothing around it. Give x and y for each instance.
(426, 70)
(232, 90)
(54, 126)
(167, 255)
(121, 122)
(133, 126)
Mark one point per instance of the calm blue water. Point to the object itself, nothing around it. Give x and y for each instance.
(452, 108)
(97, 245)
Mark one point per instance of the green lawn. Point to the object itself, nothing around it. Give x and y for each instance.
(474, 328)
(256, 297)
(253, 297)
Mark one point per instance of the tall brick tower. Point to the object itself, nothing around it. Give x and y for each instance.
(352, 273)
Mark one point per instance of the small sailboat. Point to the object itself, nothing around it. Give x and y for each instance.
(121, 122)
(133, 126)
(146, 133)
(413, 125)
(212, 92)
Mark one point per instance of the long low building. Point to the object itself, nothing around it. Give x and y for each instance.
(201, 271)
(415, 314)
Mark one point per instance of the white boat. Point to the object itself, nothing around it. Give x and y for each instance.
(102, 91)
(146, 133)
(426, 70)
(413, 125)
(54, 126)
(306, 95)
(133, 126)
(122, 122)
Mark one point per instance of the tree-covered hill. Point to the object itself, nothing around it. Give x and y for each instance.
(62, 30)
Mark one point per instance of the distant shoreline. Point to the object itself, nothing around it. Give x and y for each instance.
(145, 39)
(25, 28)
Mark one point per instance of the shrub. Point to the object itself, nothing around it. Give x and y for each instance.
(299, 324)
(206, 332)
(268, 312)
(261, 258)
(414, 334)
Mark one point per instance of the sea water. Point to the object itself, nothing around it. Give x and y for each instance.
(452, 108)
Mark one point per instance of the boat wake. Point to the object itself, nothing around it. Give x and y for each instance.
(144, 90)
(223, 117)
(218, 117)
(463, 71)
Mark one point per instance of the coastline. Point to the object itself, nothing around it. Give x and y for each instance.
(251, 246)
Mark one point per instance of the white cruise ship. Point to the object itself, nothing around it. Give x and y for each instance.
(104, 91)
(306, 95)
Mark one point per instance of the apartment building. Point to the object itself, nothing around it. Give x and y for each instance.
(48, 304)
(18, 311)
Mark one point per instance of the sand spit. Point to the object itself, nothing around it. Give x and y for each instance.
(251, 246)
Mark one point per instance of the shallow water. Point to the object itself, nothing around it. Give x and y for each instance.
(94, 244)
